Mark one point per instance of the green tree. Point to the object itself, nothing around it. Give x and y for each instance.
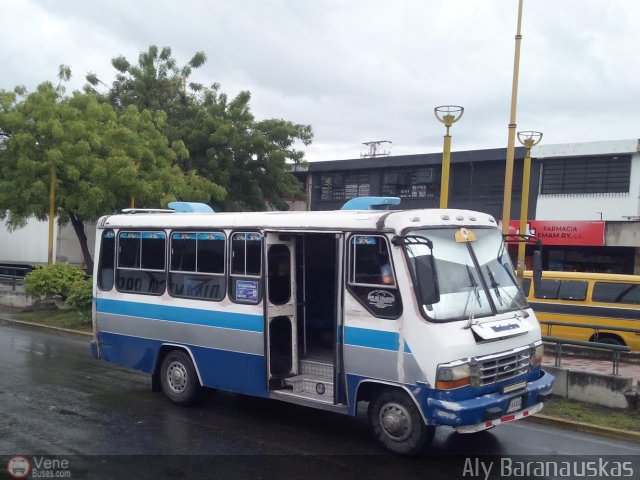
(251, 159)
(99, 158)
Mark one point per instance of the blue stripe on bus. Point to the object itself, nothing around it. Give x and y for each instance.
(364, 337)
(212, 318)
(231, 371)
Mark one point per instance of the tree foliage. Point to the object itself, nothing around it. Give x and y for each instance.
(226, 144)
(152, 135)
(98, 158)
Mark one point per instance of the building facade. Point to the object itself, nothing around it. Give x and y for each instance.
(583, 205)
(477, 180)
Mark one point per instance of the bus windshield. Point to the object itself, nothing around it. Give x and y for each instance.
(475, 279)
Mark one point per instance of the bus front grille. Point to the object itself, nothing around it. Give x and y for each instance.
(502, 366)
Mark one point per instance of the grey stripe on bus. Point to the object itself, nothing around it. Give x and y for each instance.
(382, 364)
(241, 341)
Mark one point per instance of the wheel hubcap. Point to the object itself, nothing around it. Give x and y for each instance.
(177, 377)
(395, 421)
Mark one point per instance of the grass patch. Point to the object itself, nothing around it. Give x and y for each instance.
(593, 414)
(57, 318)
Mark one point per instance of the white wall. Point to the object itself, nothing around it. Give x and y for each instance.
(30, 243)
(26, 245)
(612, 206)
(69, 246)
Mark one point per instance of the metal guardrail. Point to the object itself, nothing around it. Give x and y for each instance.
(592, 326)
(15, 274)
(615, 349)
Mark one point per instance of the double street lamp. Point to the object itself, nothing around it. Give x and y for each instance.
(448, 115)
(528, 139)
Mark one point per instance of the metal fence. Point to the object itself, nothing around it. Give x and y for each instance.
(14, 274)
(616, 350)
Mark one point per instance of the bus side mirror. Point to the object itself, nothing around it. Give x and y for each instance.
(537, 271)
(427, 280)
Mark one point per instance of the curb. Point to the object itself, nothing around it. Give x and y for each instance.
(46, 327)
(616, 433)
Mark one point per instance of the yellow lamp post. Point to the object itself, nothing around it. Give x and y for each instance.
(52, 213)
(448, 115)
(508, 174)
(529, 139)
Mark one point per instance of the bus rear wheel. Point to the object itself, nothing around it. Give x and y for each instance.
(179, 379)
(609, 340)
(397, 424)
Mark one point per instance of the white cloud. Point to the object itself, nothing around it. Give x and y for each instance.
(364, 69)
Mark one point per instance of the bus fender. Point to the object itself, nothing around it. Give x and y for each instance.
(383, 385)
(162, 351)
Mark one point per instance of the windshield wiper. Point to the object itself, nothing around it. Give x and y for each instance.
(474, 284)
(476, 293)
(495, 285)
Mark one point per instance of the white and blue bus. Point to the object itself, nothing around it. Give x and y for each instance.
(416, 312)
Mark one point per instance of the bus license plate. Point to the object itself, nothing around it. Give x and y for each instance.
(515, 404)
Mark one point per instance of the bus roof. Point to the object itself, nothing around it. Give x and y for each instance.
(339, 220)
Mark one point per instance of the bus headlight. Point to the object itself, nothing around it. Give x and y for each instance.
(537, 351)
(453, 375)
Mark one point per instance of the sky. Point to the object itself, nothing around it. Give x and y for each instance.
(363, 70)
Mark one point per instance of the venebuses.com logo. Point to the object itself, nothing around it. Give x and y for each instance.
(38, 467)
(18, 467)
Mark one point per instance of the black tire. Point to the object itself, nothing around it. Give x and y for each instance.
(179, 379)
(397, 424)
(609, 341)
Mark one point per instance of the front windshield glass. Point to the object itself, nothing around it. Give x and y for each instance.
(462, 294)
(495, 265)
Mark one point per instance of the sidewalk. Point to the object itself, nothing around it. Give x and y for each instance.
(596, 366)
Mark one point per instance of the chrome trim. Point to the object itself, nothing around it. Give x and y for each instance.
(498, 367)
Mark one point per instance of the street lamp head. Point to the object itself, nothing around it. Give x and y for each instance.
(448, 114)
(529, 138)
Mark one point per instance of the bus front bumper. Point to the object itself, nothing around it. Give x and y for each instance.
(487, 411)
(478, 427)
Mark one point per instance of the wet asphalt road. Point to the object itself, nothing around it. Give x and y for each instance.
(56, 400)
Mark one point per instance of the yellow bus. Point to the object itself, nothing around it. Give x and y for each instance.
(603, 299)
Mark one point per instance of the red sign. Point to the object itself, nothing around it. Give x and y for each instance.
(559, 232)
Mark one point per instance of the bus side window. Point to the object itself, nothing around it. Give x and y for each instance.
(548, 289)
(371, 276)
(107, 260)
(526, 286)
(141, 262)
(616, 293)
(370, 261)
(573, 290)
(197, 265)
(245, 267)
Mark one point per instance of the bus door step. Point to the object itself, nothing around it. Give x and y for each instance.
(317, 369)
(314, 381)
(319, 387)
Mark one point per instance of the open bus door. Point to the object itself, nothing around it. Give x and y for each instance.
(281, 306)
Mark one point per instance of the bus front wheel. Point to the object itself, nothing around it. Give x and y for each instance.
(179, 379)
(397, 424)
